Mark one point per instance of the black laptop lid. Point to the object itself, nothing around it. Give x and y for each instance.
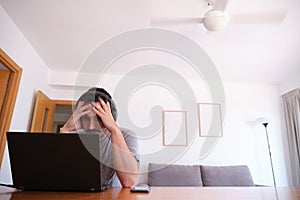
(44, 161)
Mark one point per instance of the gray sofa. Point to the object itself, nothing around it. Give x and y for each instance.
(199, 175)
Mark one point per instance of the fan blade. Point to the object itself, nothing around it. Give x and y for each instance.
(220, 5)
(259, 18)
(170, 21)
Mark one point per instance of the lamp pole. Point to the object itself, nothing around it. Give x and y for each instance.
(265, 125)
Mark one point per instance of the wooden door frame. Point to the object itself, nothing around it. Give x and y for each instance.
(9, 99)
(64, 103)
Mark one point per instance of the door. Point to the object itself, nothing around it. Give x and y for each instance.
(43, 113)
(4, 77)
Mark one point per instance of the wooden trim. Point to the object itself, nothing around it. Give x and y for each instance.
(64, 102)
(10, 98)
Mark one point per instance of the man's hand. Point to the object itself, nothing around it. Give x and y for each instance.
(73, 122)
(103, 110)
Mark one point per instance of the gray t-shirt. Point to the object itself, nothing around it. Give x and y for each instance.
(108, 173)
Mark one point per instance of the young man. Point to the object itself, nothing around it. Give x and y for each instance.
(95, 111)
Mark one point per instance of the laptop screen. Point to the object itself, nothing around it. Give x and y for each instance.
(53, 161)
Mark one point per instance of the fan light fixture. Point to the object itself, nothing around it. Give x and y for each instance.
(215, 20)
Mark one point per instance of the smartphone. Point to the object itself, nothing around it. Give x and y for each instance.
(140, 188)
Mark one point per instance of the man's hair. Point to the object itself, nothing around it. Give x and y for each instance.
(93, 95)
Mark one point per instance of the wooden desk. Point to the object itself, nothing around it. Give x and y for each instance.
(165, 193)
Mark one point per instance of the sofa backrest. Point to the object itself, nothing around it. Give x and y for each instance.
(174, 175)
(238, 175)
(198, 175)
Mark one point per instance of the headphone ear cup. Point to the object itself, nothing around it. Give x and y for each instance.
(113, 109)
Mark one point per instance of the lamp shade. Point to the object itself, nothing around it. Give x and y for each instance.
(262, 120)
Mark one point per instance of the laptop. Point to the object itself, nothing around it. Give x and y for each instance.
(55, 162)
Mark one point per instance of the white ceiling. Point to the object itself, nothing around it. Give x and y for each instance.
(64, 32)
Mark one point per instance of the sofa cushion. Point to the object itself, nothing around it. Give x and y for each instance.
(238, 175)
(174, 175)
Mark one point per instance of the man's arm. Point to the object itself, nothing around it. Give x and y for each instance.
(125, 164)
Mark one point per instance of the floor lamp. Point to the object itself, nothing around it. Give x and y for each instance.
(265, 125)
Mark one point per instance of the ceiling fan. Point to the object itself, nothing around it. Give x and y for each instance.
(216, 18)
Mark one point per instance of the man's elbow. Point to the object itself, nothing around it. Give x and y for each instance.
(129, 181)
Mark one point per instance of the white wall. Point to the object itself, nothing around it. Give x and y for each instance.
(34, 76)
(245, 141)
(289, 85)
